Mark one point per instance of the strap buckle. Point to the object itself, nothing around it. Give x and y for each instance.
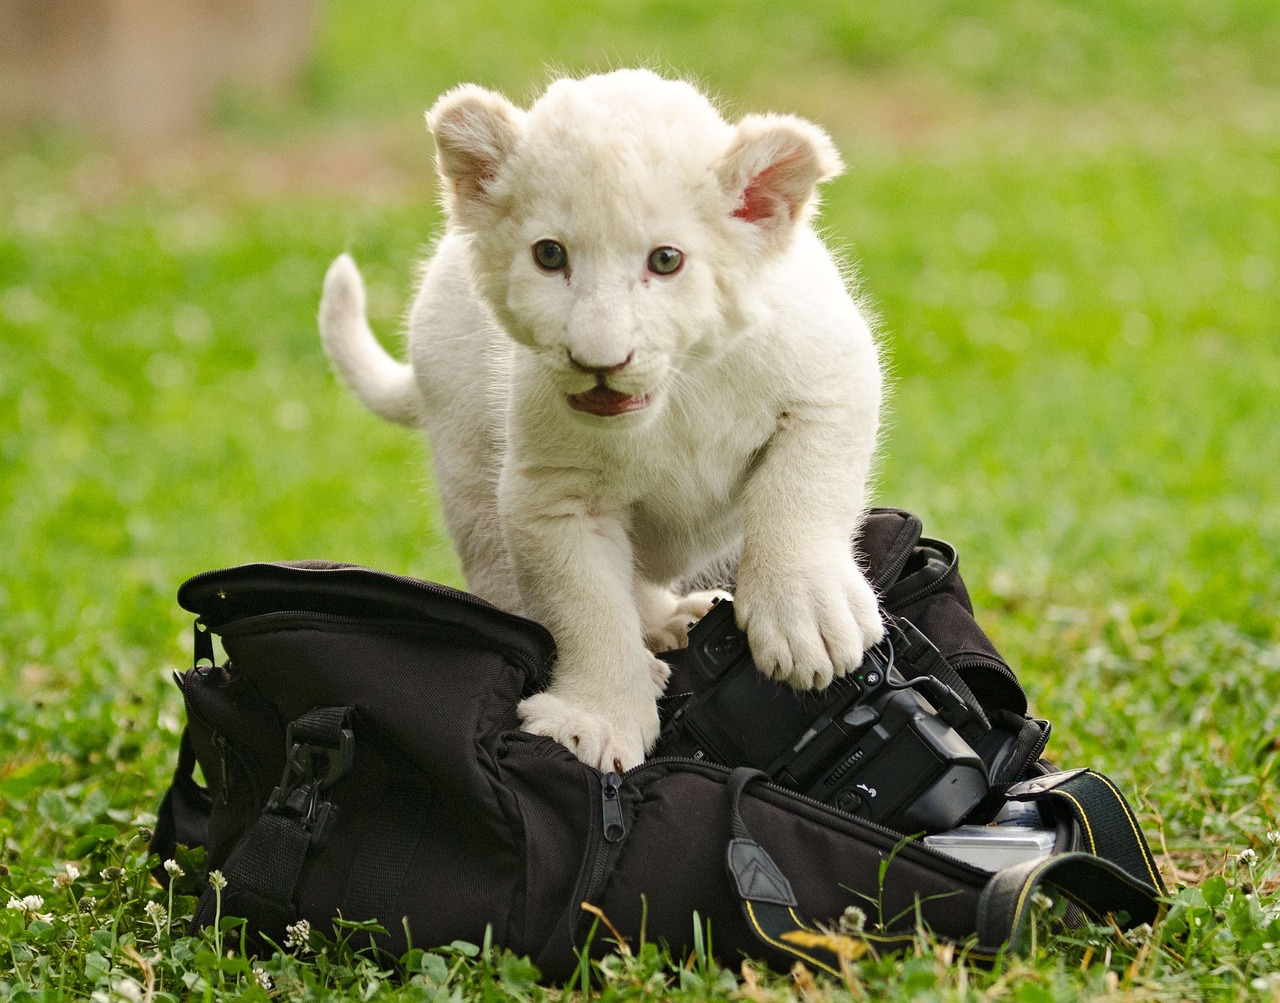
(310, 771)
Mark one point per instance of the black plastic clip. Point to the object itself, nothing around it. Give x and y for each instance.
(310, 771)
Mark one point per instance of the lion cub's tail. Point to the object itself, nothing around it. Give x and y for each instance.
(384, 385)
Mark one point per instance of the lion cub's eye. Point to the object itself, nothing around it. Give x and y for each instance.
(550, 255)
(665, 260)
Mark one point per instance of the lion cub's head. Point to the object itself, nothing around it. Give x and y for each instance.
(615, 224)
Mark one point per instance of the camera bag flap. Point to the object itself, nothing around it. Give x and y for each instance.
(362, 756)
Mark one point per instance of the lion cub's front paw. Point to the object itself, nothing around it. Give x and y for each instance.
(807, 628)
(667, 617)
(607, 741)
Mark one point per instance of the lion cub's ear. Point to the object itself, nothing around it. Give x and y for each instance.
(772, 168)
(475, 130)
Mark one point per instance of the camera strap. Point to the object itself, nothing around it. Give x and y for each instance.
(1107, 824)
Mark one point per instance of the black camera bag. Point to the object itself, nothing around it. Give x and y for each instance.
(363, 758)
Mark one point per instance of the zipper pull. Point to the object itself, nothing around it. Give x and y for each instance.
(615, 826)
(203, 645)
(224, 774)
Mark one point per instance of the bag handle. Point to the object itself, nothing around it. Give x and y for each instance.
(264, 870)
(1097, 884)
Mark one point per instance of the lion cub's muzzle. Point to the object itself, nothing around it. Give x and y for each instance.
(603, 400)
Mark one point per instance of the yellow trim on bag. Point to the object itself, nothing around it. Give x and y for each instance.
(1027, 885)
(751, 914)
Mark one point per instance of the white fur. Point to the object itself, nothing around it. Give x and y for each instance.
(763, 381)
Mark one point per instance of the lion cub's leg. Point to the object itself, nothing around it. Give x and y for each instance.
(666, 616)
(574, 565)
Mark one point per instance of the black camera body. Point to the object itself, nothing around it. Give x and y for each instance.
(870, 743)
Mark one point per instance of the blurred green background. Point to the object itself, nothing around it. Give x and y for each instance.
(1065, 215)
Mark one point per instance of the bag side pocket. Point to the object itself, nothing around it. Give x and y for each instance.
(238, 740)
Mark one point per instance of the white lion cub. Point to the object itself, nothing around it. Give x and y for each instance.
(634, 357)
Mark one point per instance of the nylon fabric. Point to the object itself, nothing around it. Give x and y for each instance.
(1098, 886)
(452, 817)
(271, 860)
(378, 874)
(183, 817)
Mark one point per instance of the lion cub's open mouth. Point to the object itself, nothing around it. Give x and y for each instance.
(602, 401)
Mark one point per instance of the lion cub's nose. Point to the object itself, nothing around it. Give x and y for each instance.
(601, 370)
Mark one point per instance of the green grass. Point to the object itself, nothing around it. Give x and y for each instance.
(1065, 217)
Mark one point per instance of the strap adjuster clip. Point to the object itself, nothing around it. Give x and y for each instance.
(310, 771)
(1029, 790)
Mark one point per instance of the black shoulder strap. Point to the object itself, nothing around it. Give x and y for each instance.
(183, 818)
(768, 903)
(1098, 885)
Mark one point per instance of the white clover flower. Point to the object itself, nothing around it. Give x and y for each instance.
(122, 991)
(264, 980)
(1273, 837)
(112, 873)
(29, 906)
(174, 868)
(216, 881)
(852, 921)
(1248, 857)
(156, 913)
(66, 876)
(1041, 901)
(297, 935)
